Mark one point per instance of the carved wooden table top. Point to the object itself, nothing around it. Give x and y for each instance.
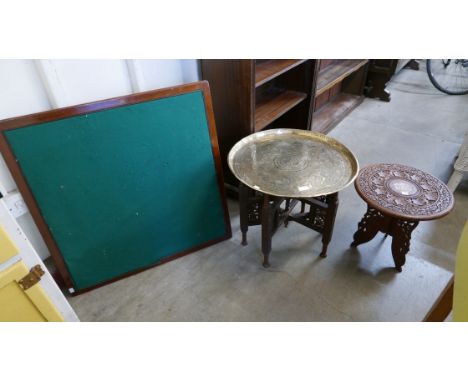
(404, 192)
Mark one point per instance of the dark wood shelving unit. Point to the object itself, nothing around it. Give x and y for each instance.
(254, 95)
(274, 104)
(266, 70)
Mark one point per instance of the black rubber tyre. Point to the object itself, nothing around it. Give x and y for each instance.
(436, 79)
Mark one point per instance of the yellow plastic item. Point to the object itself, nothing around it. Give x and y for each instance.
(7, 247)
(460, 294)
(29, 305)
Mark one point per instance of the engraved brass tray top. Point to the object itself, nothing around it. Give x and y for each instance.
(404, 192)
(293, 163)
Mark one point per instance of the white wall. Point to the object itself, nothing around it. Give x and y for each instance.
(31, 86)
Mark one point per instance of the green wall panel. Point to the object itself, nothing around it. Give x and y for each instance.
(124, 188)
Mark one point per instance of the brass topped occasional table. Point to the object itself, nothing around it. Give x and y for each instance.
(279, 168)
(398, 197)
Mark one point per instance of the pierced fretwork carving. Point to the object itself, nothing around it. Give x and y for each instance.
(255, 212)
(257, 208)
(398, 197)
(372, 222)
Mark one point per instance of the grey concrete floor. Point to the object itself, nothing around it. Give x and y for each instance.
(226, 282)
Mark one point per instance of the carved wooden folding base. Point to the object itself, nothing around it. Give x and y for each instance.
(400, 230)
(270, 212)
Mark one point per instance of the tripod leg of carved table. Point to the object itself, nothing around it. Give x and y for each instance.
(243, 211)
(401, 232)
(332, 202)
(266, 230)
(368, 227)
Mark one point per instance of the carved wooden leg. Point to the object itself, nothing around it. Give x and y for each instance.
(288, 205)
(243, 211)
(368, 227)
(401, 232)
(332, 202)
(266, 230)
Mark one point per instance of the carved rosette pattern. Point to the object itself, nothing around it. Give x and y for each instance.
(430, 197)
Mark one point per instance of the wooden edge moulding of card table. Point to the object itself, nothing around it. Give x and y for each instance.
(139, 152)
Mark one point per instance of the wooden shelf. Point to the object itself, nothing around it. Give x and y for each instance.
(333, 112)
(274, 104)
(251, 95)
(336, 72)
(269, 69)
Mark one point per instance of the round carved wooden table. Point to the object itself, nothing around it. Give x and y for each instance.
(398, 197)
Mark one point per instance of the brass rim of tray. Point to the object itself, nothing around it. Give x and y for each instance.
(273, 134)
